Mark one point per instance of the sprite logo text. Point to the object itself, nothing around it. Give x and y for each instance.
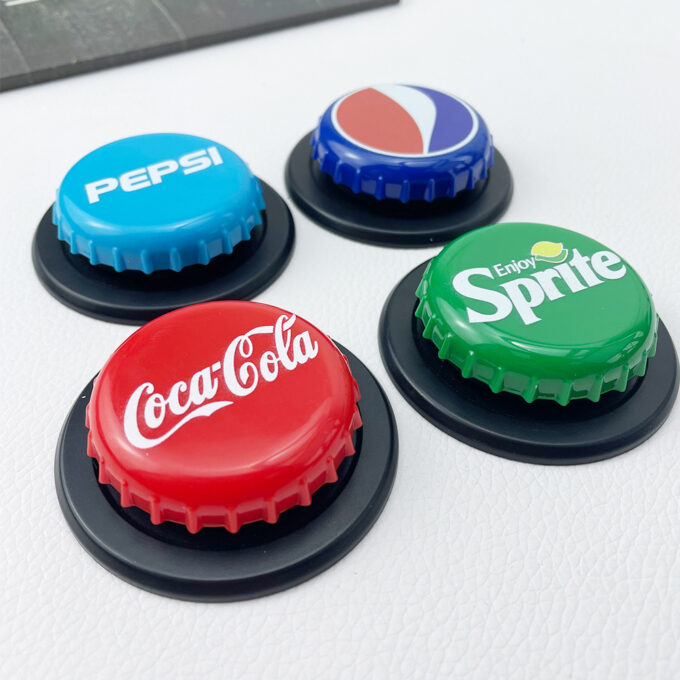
(526, 293)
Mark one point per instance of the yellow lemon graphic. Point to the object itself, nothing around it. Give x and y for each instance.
(549, 252)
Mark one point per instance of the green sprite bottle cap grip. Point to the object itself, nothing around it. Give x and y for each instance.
(531, 342)
(538, 311)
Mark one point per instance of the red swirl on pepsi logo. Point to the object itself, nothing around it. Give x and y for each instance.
(404, 120)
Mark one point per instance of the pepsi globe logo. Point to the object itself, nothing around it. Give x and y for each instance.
(404, 120)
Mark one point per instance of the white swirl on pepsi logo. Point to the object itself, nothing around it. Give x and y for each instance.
(153, 409)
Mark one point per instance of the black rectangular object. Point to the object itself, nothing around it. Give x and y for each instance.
(43, 40)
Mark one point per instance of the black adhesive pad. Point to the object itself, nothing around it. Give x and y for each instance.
(133, 297)
(504, 424)
(390, 222)
(214, 565)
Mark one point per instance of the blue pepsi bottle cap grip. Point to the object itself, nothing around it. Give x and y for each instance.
(403, 142)
(157, 201)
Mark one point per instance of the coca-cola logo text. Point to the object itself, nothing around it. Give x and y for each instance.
(200, 397)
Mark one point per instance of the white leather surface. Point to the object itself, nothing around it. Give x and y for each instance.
(479, 567)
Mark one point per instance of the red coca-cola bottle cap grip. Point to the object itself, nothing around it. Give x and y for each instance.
(222, 414)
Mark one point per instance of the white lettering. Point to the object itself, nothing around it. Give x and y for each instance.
(525, 303)
(514, 267)
(546, 279)
(134, 180)
(141, 178)
(461, 283)
(604, 261)
(95, 189)
(525, 294)
(241, 372)
(195, 162)
(214, 153)
(158, 170)
(581, 264)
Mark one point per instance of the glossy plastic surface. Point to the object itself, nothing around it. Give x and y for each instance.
(134, 297)
(538, 311)
(542, 432)
(158, 201)
(213, 564)
(403, 142)
(222, 414)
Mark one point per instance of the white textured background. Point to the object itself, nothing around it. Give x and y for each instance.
(479, 567)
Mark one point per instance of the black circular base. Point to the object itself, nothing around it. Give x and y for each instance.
(133, 297)
(504, 424)
(214, 565)
(391, 222)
